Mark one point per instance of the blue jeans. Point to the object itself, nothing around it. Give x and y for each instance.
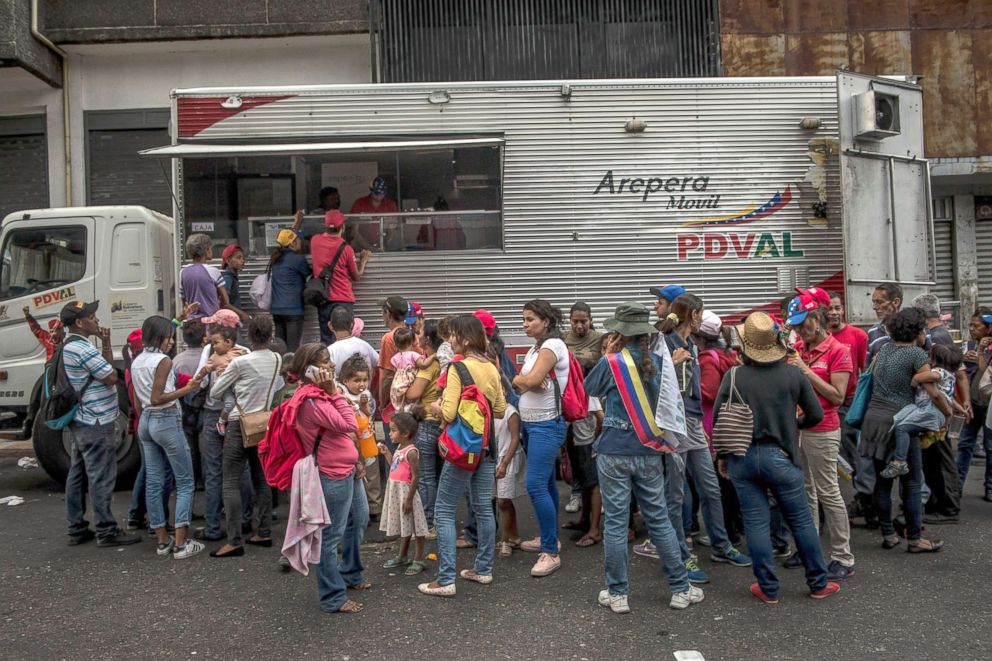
(331, 586)
(619, 476)
(324, 312)
(966, 448)
(450, 489)
(699, 466)
(673, 465)
(93, 466)
(351, 567)
(426, 442)
(163, 443)
(903, 434)
(767, 467)
(139, 508)
(543, 441)
(910, 489)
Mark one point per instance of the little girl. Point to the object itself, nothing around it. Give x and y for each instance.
(934, 401)
(223, 340)
(353, 376)
(510, 473)
(404, 361)
(402, 511)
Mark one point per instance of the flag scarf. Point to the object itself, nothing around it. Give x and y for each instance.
(635, 401)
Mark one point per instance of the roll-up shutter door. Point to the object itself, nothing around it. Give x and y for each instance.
(943, 231)
(983, 239)
(23, 164)
(117, 175)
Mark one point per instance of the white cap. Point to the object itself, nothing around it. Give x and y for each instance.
(711, 324)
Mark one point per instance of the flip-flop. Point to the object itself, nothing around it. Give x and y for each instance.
(351, 607)
(587, 541)
(396, 563)
(415, 568)
(365, 585)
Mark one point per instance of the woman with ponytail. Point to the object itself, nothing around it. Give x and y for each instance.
(542, 425)
(694, 460)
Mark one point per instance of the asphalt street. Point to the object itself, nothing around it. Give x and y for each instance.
(61, 602)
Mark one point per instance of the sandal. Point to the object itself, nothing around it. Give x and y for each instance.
(891, 542)
(504, 549)
(396, 563)
(925, 546)
(351, 607)
(364, 585)
(415, 568)
(587, 541)
(462, 543)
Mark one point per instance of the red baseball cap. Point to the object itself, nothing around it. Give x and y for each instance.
(228, 251)
(799, 308)
(334, 219)
(134, 341)
(488, 321)
(815, 293)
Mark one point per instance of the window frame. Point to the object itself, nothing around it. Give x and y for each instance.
(35, 228)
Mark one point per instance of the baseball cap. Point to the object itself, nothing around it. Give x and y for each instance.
(223, 317)
(357, 327)
(286, 237)
(819, 295)
(488, 321)
(987, 319)
(77, 310)
(334, 219)
(378, 186)
(134, 341)
(54, 324)
(395, 305)
(711, 324)
(228, 251)
(799, 309)
(413, 312)
(668, 292)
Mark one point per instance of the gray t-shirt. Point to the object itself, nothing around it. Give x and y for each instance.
(893, 372)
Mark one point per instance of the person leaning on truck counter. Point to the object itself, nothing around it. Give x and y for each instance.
(289, 271)
(323, 248)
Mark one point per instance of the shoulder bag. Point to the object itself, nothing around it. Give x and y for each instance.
(253, 424)
(317, 290)
(862, 397)
(734, 430)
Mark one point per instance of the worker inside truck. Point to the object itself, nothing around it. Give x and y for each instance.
(426, 198)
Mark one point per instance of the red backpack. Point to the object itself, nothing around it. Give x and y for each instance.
(281, 447)
(574, 400)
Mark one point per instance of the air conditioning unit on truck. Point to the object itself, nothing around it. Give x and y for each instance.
(499, 192)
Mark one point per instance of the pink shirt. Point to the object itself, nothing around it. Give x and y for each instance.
(399, 470)
(828, 357)
(335, 422)
(404, 359)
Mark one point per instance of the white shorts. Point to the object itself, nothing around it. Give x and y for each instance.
(514, 484)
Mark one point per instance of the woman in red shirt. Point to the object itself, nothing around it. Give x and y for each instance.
(826, 362)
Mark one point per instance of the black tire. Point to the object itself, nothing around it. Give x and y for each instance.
(52, 448)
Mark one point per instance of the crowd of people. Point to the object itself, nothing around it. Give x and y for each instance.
(713, 436)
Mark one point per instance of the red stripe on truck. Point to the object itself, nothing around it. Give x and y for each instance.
(199, 113)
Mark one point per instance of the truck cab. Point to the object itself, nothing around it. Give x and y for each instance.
(121, 256)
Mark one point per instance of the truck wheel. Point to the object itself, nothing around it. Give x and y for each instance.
(52, 447)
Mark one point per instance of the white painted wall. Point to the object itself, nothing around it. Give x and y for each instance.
(142, 75)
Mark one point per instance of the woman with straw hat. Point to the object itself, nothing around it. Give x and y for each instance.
(772, 389)
(627, 379)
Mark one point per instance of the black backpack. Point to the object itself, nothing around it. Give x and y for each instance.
(61, 399)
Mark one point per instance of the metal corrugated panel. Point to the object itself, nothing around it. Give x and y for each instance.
(944, 242)
(23, 172)
(983, 244)
(117, 175)
(562, 241)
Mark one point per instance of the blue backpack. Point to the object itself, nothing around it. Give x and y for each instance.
(61, 399)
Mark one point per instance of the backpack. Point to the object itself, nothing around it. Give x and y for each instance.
(61, 399)
(317, 290)
(260, 291)
(464, 440)
(281, 447)
(574, 402)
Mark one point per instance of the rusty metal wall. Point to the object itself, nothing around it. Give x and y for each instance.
(565, 242)
(947, 42)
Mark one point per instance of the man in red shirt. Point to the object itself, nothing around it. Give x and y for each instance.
(51, 339)
(323, 248)
(374, 203)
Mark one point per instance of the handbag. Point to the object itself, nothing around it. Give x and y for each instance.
(253, 424)
(734, 430)
(862, 397)
(318, 289)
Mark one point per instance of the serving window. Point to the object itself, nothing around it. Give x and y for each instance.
(440, 195)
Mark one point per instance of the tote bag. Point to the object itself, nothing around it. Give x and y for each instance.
(862, 396)
(734, 430)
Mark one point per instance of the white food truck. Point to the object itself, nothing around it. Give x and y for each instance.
(499, 192)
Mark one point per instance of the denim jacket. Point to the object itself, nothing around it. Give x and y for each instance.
(618, 435)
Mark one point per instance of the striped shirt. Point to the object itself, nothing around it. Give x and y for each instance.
(98, 404)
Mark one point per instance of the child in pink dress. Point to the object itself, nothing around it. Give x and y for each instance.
(402, 509)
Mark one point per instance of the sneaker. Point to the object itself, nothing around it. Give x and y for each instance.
(120, 539)
(534, 545)
(838, 572)
(829, 589)
(696, 575)
(221, 427)
(166, 549)
(704, 540)
(188, 550)
(793, 562)
(683, 600)
(733, 557)
(546, 565)
(432, 533)
(894, 470)
(646, 550)
(756, 591)
(781, 552)
(574, 504)
(615, 602)
(83, 537)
